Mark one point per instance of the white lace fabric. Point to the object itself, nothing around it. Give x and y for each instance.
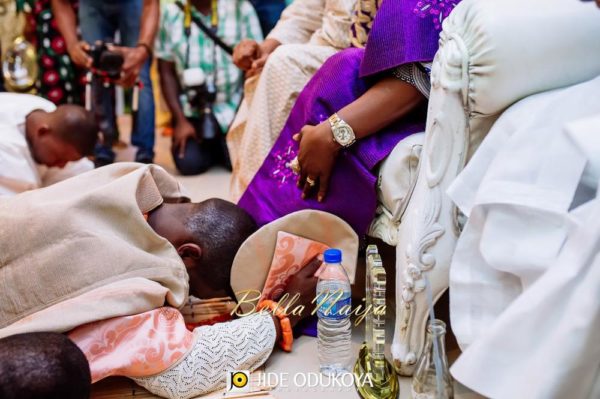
(242, 344)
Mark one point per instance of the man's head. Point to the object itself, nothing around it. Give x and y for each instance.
(207, 236)
(67, 134)
(43, 365)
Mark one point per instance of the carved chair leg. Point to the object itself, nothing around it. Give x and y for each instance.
(427, 234)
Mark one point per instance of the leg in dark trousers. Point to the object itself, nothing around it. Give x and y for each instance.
(98, 21)
(199, 156)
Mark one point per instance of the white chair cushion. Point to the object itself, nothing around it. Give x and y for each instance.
(517, 48)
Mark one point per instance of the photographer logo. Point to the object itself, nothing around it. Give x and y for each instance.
(238, 381)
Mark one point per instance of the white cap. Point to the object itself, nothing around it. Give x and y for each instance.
(193, 77)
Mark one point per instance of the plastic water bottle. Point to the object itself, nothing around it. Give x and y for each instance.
(334, 327)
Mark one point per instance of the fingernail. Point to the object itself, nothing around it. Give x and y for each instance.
(320, 199)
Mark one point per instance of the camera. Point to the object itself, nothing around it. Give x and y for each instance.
(201, 97)
(106, 62)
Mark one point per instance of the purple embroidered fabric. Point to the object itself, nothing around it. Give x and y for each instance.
(438, 10)
(281, 158)
(352, 189)
(400, 35)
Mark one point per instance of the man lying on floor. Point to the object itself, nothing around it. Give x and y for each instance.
(41, 144)
(101, 254)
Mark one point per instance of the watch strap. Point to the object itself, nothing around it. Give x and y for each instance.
(334, 122)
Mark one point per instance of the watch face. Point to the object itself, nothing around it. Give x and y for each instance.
(344, 135)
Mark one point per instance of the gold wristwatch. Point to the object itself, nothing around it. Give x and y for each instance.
(342, 132)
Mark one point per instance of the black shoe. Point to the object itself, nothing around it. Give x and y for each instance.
(144, 157)
(103, 155)
(102, 160)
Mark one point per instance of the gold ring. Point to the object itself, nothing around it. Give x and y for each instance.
(310, 181)
(294, 165)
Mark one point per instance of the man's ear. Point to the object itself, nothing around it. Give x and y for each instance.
(44, 130)
(190, 251)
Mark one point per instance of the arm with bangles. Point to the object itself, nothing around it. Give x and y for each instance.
(385, 102)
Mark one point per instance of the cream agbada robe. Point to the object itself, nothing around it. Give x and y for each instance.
(87, 236)
(525, 277)
(310, 32)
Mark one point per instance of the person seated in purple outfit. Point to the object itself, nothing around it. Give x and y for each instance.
(349, 117)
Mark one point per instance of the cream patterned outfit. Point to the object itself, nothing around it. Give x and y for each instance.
(243, 344)
(310, 32)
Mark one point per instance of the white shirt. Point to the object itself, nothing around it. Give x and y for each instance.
(18, 171)
(525, 276)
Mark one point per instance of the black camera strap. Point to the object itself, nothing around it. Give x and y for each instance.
(189, 17)
(207, 31)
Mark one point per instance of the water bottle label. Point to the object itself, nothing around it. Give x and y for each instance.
(333, 308)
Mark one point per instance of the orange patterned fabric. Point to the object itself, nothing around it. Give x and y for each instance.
(291, 253)
(151, 342)
(134, 346)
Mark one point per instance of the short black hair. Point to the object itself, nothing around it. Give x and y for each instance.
(219, 227)
(77, 126)
(43, 365)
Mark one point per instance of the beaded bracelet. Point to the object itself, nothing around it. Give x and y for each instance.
(287, 336)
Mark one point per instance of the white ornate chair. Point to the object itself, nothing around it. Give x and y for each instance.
(492, 54)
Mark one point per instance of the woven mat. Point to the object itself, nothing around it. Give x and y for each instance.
(119, 387)
(123, 388)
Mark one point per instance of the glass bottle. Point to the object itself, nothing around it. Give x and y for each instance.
(425, 379)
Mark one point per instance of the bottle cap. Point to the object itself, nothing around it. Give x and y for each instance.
(333, 255)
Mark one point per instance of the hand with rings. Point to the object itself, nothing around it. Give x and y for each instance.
(316, 157)
(294, 165)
